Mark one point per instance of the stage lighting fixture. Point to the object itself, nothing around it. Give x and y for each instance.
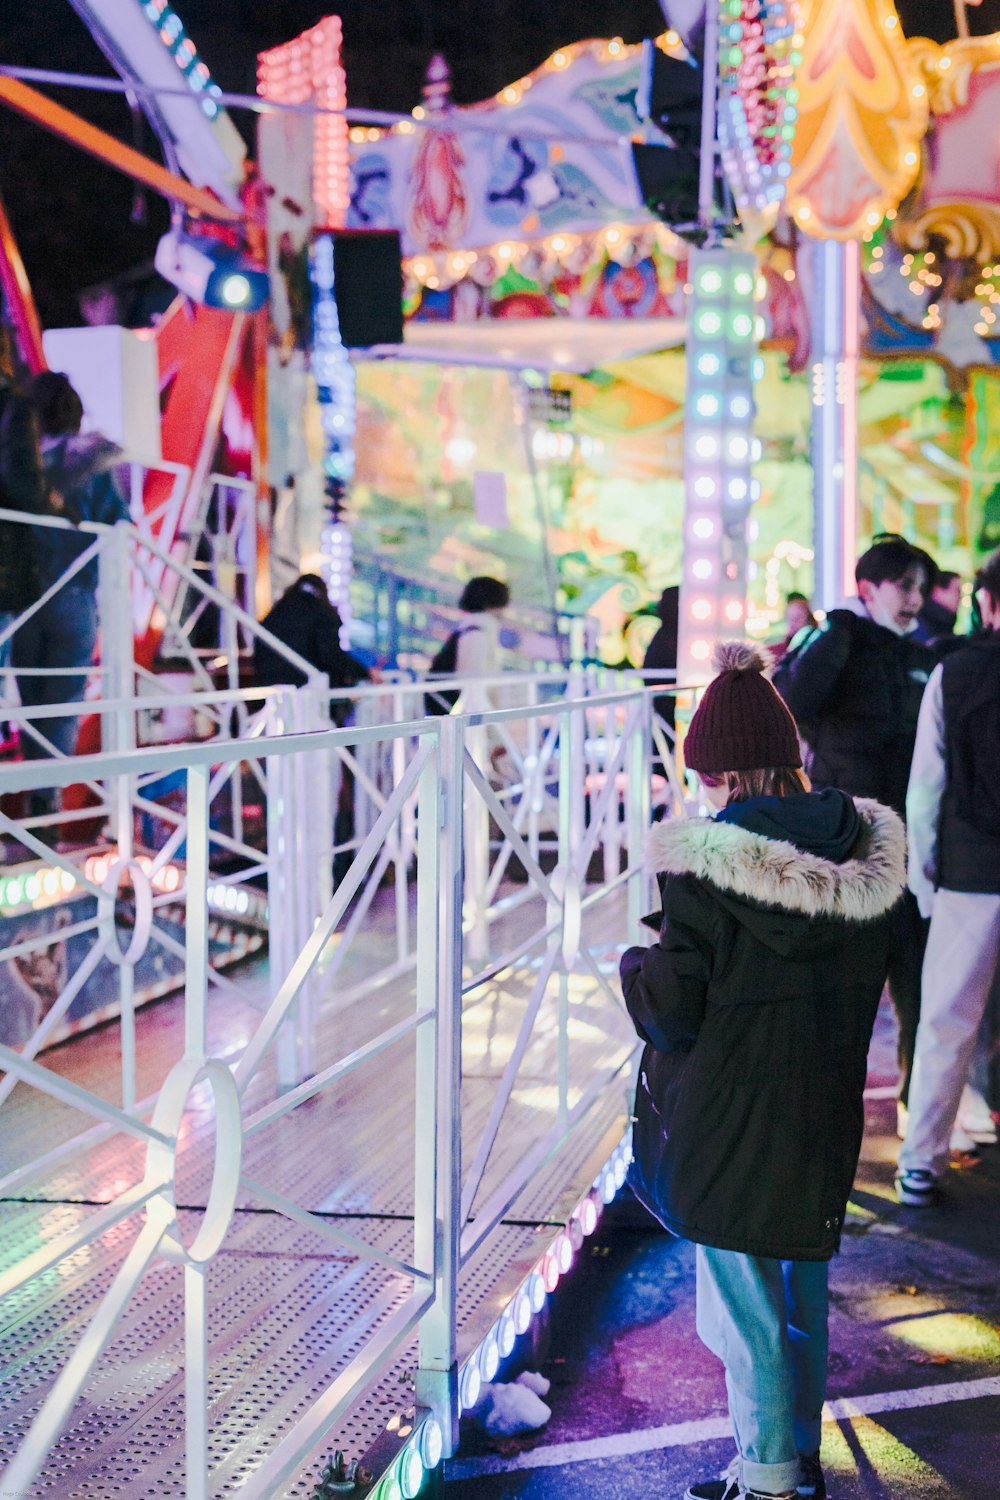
(211, 273)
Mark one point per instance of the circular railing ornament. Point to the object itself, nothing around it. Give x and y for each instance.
(107, 908)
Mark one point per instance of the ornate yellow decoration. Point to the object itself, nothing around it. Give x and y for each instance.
(969, 231)
(967, 224)
(863, 110)
(947, 71)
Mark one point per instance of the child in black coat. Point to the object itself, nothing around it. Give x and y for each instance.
(756, 1006)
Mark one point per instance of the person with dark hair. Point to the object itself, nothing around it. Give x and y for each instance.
(472, 650)
(306, 622)
(81, 474)
(798, 617)
(854, 685)
(22, 488)
(953, 808)
(939, 614)
(482, 594)
(477, 651)
(756, 1007)
(661, 653)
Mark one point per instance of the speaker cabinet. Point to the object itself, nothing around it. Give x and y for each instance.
(368, 286)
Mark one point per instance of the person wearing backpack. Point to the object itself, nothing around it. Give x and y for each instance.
(756, 1006)
(473, 650)
(953, 812)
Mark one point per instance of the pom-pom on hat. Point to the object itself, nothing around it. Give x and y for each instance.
(741, 724)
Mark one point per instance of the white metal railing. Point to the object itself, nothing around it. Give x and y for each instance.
(444, 821)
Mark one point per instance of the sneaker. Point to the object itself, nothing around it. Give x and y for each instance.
(717, 1489)
(975, 1119)
(916, 1187)
(961, 1140)
(812, 1484)
(723, 1489)
(730, 1487)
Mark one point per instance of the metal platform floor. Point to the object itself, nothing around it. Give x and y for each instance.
(287, 1311)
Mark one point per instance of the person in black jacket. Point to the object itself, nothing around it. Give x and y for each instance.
(756, 1006)
(81, 471)
(939, 615)
(661, 653)
(953, 811)
(22, 487)
(854, 686)
(305, 621)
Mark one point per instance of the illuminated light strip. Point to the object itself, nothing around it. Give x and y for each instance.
(434, 270)
(614, 51)
(481, 1366)
(760, 48)
(168, 25)
(712, 1429)
(719, 452)
(336, 388)
(308, 70)
(49, 883)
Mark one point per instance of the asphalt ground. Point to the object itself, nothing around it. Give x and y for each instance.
(638, 1404)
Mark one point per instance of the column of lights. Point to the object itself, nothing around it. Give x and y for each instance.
(719, 452)
(177, 42)
(308, 70)
(760, 49)
(335, 389)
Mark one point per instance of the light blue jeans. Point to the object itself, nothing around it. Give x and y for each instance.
(767, 1321)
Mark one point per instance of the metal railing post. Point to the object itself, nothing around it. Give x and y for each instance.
(117, 641)
(312, 774)
(477, 852)
(638, 813)
(572, 795)
(119, 733)
(438, 1184)
(282, 884)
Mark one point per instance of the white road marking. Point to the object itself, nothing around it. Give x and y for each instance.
(683, 1434)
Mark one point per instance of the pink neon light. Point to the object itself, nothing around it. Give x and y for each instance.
(852, 334)
(308, 70)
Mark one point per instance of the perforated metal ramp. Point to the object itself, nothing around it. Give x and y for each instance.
(287, 1311)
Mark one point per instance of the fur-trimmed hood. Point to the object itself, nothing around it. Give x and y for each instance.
(775, 874)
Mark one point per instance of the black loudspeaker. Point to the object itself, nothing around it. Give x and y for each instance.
(669, 94)
(667, 182)
(368, 286)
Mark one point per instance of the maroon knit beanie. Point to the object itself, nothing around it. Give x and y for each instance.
(741, 724)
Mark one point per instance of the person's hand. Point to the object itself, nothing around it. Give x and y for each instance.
(375, 676)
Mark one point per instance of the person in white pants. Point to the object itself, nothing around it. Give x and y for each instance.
(953, 817)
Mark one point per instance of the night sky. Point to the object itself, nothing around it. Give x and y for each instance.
(72, 215)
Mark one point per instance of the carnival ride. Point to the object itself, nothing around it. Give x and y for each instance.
(212, 847)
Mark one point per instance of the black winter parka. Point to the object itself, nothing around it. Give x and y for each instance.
(757, 1005)
(854, 689)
